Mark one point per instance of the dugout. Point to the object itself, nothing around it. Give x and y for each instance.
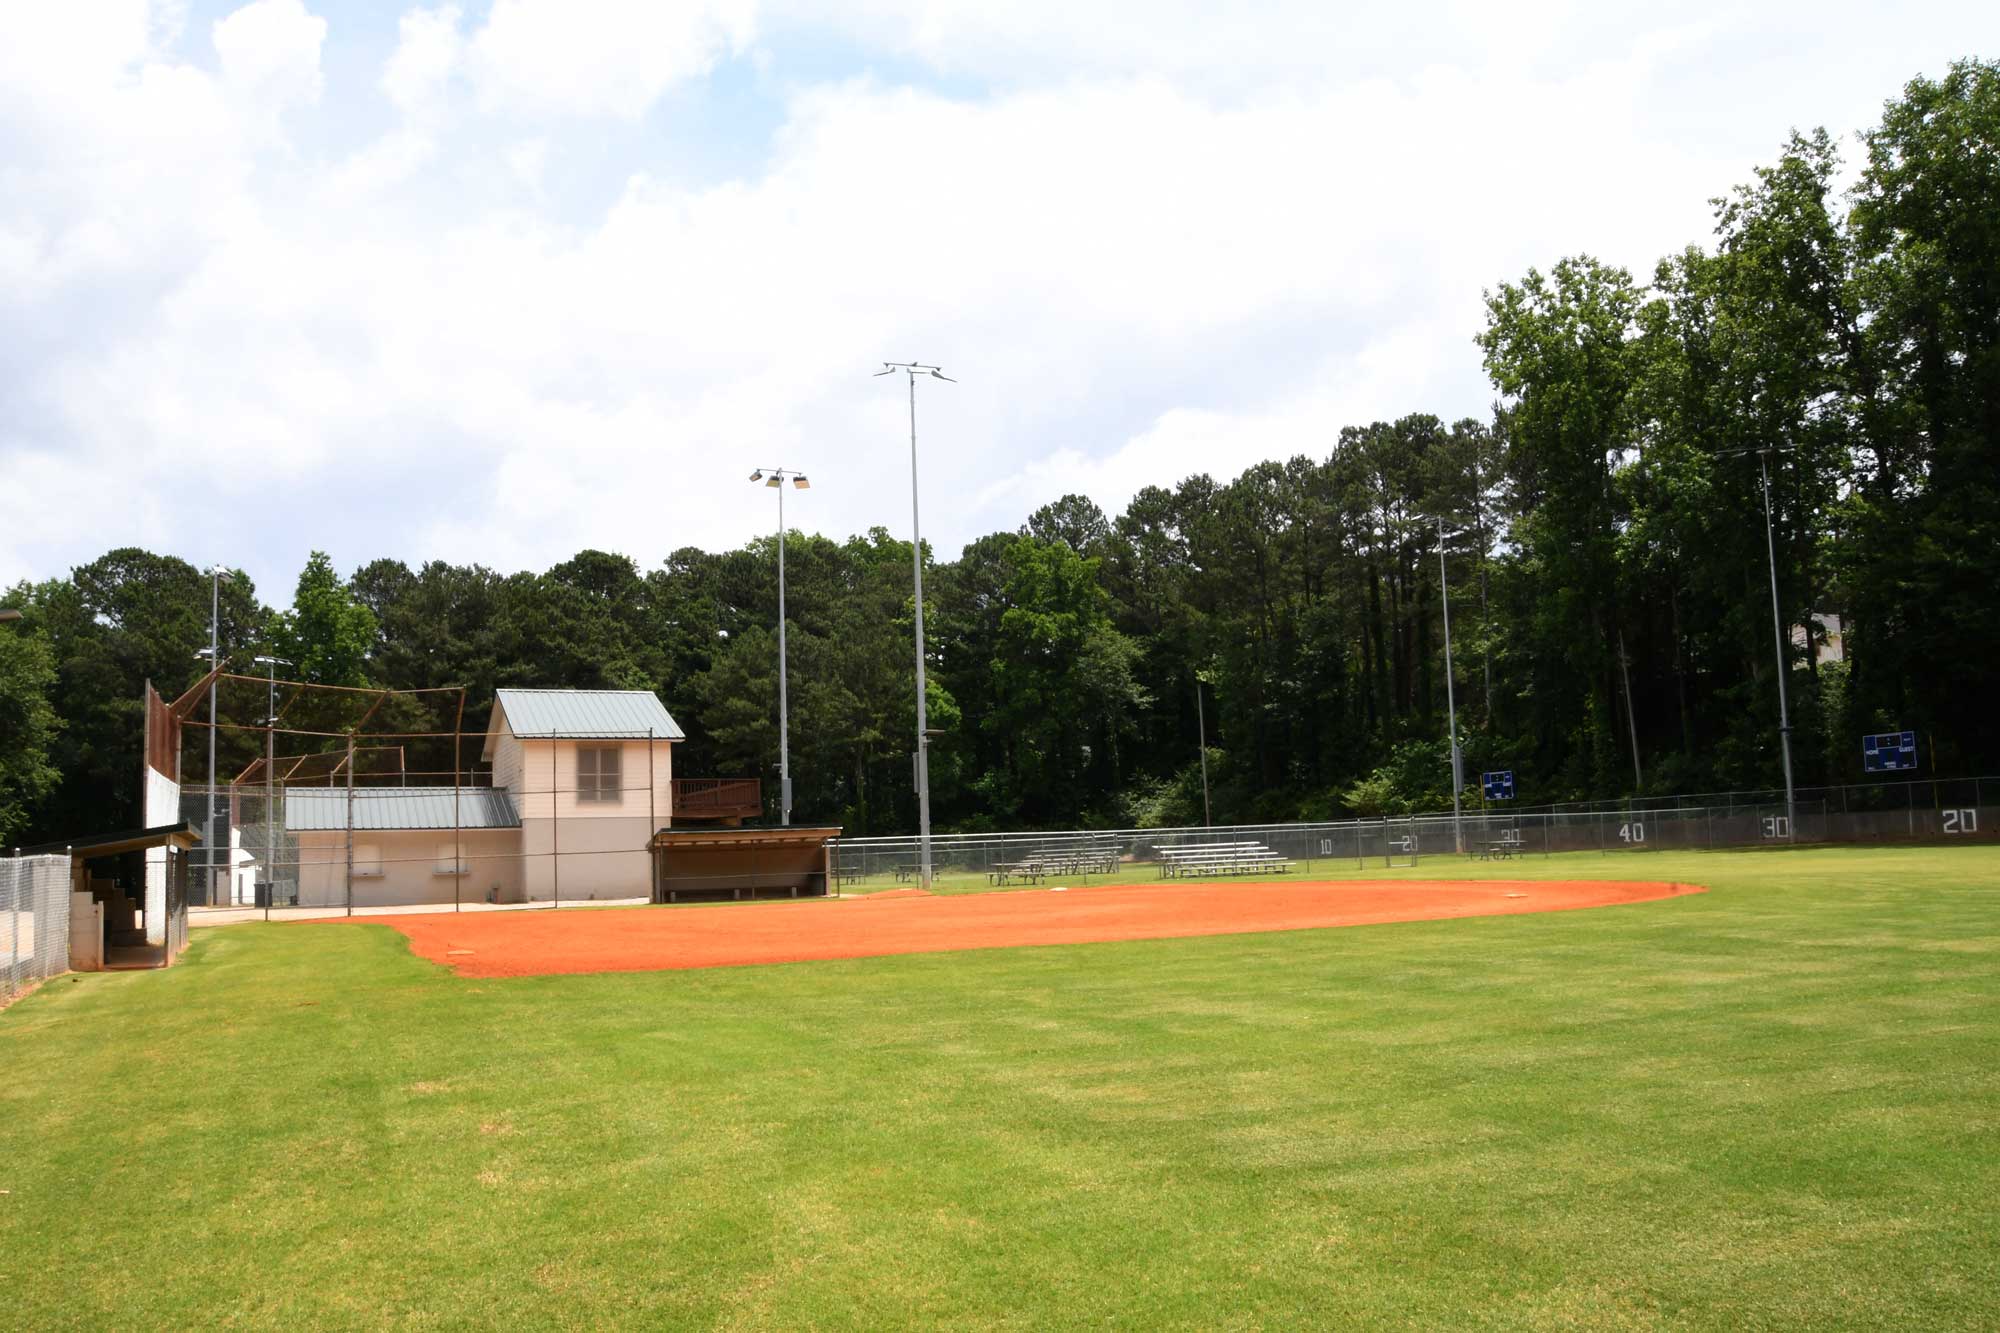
(115, 921)
(729, 864)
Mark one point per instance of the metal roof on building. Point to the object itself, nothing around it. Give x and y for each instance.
(588, 714)
(313, 809)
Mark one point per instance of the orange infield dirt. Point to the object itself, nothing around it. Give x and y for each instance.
(647, 939)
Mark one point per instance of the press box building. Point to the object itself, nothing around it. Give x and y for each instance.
(582, 779)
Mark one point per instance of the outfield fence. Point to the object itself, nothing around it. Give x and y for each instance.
(34, 920)
(1392, 841)
(1880, 797)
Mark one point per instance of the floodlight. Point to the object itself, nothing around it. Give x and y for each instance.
(775, 481)
(758, 475)
(799, 482)
(10, 615)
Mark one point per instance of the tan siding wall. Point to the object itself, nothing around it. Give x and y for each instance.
(410, 860)
(532, 777)
(507, 763)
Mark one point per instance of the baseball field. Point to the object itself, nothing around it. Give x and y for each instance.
(1775, 1102)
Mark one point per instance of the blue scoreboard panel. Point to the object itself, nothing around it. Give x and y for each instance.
(1498, 786)
(1889, 752)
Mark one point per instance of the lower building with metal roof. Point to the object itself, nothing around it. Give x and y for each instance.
(320, 809)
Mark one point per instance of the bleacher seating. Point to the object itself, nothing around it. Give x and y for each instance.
(1220, 858)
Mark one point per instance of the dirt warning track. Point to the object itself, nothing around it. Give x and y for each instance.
(648, 939)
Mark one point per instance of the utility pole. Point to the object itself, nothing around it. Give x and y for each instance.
(777, 478)
(1631, 722)
(216, 575)
(1201, 729)
(910, 369)
(1777, 637)
(1777, 617)
(1450, 701)
(271, 665)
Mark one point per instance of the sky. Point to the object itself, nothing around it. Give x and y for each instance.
(498, 281)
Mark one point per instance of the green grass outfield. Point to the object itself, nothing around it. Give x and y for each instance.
(1771, 1105)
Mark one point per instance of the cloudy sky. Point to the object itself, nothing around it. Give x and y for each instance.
(497, 281)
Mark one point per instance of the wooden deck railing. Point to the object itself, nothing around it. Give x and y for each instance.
(718, 798)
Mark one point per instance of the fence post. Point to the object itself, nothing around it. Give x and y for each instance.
(555, 824)
(14, 951)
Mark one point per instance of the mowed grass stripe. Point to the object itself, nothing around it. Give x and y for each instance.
(1771, 1104)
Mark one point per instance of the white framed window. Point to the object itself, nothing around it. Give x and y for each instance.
(367, 861)
(599, 773)
(451, 860)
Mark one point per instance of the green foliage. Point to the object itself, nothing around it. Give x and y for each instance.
(328, 634)
(28, 722)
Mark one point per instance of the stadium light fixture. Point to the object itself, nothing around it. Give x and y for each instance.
(910, 369)
(777, 483)
(9, 614)
(800, 483)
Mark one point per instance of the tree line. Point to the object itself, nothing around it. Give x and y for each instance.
(1602, 535)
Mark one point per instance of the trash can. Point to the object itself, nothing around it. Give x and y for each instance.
(263, 893)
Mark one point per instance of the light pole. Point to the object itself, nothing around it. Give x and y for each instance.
(1777, 619)
(1777, 637)
(270, 665)
(910, 369)
(777, 477)
(1201, 733)
(216, 576)
(1450, 700)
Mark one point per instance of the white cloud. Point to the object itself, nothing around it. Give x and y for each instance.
(1140, 260)
(269, 55)
(429, 50)
(600, 57)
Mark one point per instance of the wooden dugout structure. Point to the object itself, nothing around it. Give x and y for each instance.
(730, 864)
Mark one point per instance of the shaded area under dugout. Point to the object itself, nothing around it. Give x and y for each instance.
(727, 864)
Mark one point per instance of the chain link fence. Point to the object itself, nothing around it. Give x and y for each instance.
(34, 920)
(569, 822)
(1004, 858)
(1916, 794)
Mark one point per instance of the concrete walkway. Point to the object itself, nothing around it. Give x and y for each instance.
(229, 916)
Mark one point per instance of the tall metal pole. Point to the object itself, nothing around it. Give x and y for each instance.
(271, 812)
(1201, 730)
(923, 720)
(1450, 701)
(1631, 719)
(910, 369)
(214, 662)
(784, 709)
(1777, 637)
(270, 796)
